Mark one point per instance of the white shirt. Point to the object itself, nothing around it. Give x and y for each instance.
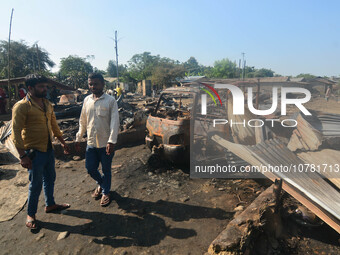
(100, 118)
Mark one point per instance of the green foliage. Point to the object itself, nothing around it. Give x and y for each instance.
(96, 70)
(142, 65)
(25, 59)
(123, 73)
(306, 76)
(223, 69)
(166, 72)
(74, 71)
(263, 72)
(192, 67)
(162, 71)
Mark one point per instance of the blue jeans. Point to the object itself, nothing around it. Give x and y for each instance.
(41, 174)
(93, 157)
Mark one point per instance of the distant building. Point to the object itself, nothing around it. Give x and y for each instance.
(111, 83)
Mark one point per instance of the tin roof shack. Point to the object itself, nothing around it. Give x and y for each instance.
(185, 81)
(111, 83)
(14, 96)
(320, 84)
(15, 82)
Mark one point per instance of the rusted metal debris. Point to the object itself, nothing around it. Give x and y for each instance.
(169, 126)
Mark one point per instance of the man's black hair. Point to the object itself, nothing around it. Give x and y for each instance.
(33, 79)
(96, 76)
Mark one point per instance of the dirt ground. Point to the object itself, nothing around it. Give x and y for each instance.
(159, 212)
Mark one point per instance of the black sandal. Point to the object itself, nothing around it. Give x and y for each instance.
(32, 224)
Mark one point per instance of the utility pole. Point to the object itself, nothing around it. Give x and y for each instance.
(9, 57)
(243, 65)
(116, 48)
(244, 69)
(239, 68)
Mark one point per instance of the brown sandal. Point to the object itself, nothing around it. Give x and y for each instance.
(56, 207)
(97, 193)
(105, 201)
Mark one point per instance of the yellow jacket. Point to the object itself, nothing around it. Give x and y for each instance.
(119, 91)
(31, 125)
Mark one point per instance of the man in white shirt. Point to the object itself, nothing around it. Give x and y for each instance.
(100, 119)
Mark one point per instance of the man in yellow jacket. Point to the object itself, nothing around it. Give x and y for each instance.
(33, 126)
(119, 91)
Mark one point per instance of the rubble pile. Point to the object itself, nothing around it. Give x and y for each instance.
(130, 116)
(69, 127)
(67, 111)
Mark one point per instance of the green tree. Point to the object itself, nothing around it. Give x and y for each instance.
(193, 67)
(74, 71)
(24, 59)
(223, 69)
(112, 70)
(142, 65)
(263, 72)
(306, 76)
(166, 72)
(96, 70)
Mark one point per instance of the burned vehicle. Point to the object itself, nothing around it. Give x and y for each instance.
(169, 125)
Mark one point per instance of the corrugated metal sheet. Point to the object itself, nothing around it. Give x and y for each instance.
(8, 152)
(320, 158)
(330, 124)
(273, 152)
(312, 131)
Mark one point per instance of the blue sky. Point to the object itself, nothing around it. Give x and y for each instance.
(290, 37)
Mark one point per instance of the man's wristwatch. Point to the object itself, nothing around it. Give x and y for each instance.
(21, 157)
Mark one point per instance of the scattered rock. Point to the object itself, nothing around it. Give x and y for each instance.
(67, 165)
(221, 189)
(76, 158)
(184, 199)
(63, 235)
(239, 208)
(42, 235)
